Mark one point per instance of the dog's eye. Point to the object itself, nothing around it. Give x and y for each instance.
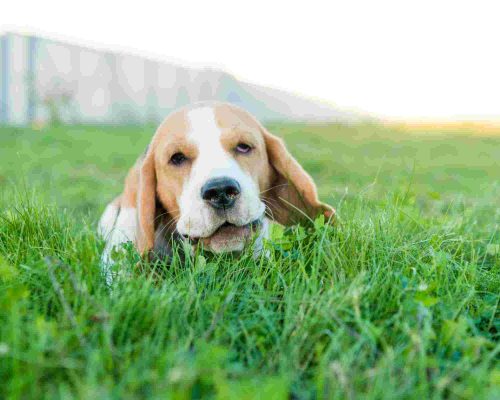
(178, 159)
(243, 148)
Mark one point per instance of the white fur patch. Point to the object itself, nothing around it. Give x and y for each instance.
(263, 235)
(197, 218)
(107, 221)
(116, 231)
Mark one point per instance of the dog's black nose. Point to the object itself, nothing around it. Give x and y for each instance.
(221, 193)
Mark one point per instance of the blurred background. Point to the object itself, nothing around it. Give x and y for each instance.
(372, 97)
(329, 60)
(52, 81)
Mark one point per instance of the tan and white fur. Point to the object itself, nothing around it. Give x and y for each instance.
(164, 198)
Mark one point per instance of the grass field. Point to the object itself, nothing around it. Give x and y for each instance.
(398, 300)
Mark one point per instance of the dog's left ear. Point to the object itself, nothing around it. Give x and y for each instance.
(146, 203)
(292, 196)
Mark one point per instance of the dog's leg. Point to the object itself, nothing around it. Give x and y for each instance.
(117, 226)
(259, 241)
(108, 218)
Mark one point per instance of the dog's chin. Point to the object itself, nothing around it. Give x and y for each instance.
(229, 238)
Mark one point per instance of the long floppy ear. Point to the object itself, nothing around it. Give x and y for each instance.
(146, 203)
(293, 195)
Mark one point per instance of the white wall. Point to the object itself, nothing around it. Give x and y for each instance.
(80, 85)
(2, 71)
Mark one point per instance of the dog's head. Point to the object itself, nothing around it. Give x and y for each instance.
(211, 173)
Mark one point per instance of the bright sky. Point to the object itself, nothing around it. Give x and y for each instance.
(398, 59)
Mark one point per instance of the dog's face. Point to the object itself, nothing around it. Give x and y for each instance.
(211, 170)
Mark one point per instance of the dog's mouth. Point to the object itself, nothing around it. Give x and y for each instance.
(228, 227)
(228, 237)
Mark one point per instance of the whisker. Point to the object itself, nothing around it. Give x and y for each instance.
(274, 187)
(270, 202)
(167, 213)
(166, 227)
(158, 217)
(270, 216)
(268, 211)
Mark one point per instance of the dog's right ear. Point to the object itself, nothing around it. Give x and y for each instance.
(146, 203)
(293, 194)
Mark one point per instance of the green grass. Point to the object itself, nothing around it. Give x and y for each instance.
(398, 300)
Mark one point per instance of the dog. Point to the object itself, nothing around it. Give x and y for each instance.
(211, 175)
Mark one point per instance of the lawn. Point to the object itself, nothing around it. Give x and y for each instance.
(398, 300)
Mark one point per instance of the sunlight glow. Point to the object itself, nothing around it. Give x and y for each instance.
(390, 59)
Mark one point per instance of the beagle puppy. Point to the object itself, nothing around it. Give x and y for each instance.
(211, 175)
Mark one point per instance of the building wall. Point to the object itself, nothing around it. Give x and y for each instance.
(3, 79)
(43, 80)
(17, 88)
